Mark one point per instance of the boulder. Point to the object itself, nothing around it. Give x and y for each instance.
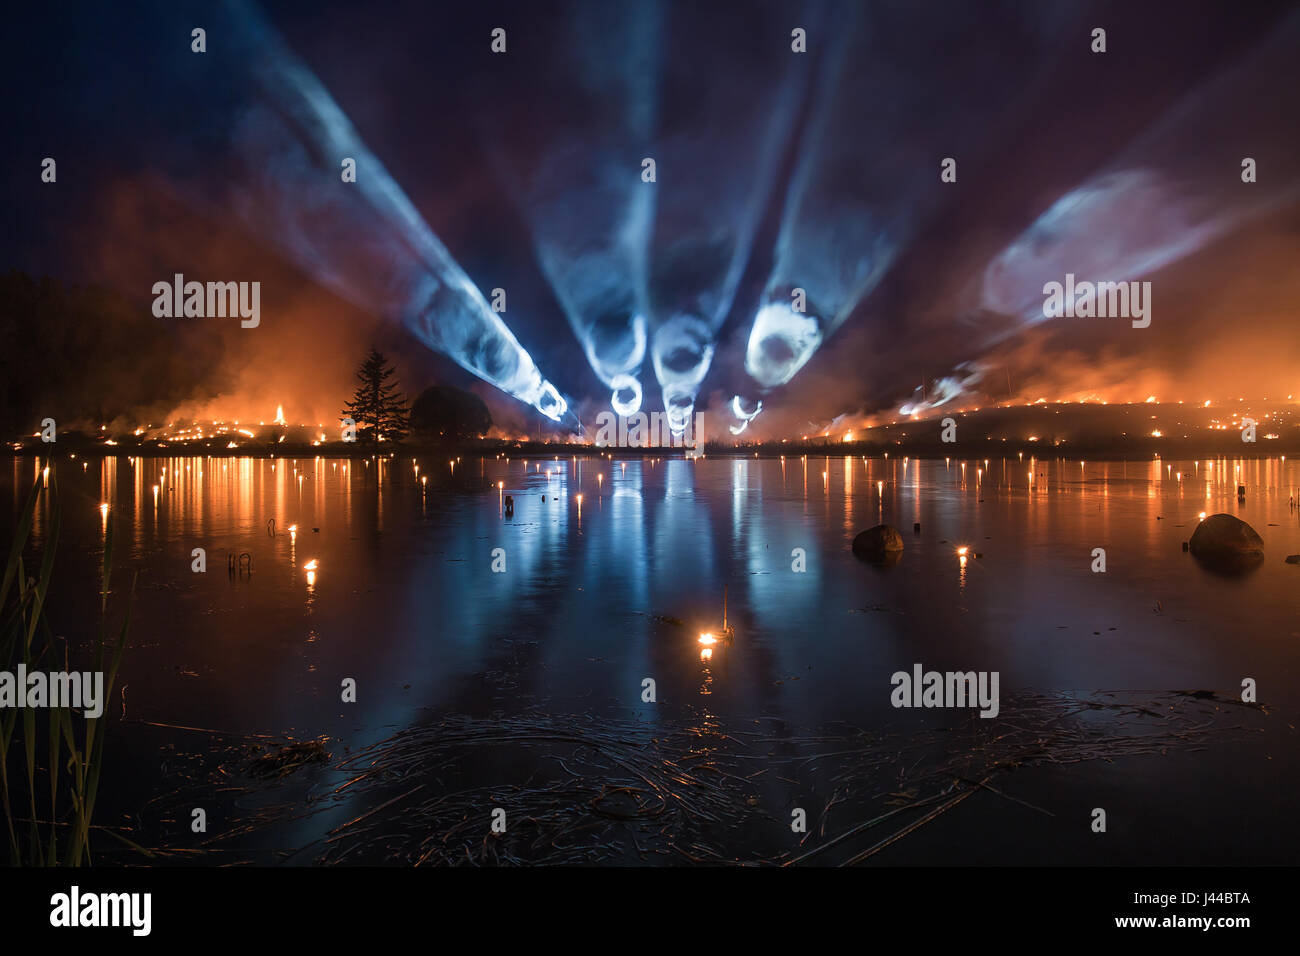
(1225, 536)
(881, 544)
(1223, 542)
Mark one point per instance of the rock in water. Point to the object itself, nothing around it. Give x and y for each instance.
(1221, 538)
(881, 544)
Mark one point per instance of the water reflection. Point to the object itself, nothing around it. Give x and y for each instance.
(615, 568)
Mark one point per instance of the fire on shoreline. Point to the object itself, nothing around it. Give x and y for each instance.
(1171, 420)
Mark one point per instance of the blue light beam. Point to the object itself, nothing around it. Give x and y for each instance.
(581, 192)
(855, 201)
(364, 239)
(1169, 194)
(717, 157)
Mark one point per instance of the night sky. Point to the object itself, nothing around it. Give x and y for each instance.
(153, 149)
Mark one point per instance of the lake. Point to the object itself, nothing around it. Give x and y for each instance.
(478, 688)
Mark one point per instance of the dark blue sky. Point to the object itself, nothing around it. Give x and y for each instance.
(141, 129)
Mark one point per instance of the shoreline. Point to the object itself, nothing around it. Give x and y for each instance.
(1065, 430)
(1138, 449)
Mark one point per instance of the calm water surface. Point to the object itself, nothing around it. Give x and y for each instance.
(404, 600)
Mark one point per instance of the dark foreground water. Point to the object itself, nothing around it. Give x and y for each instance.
(534, 675)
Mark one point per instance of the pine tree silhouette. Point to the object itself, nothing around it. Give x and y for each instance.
(378, 409)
